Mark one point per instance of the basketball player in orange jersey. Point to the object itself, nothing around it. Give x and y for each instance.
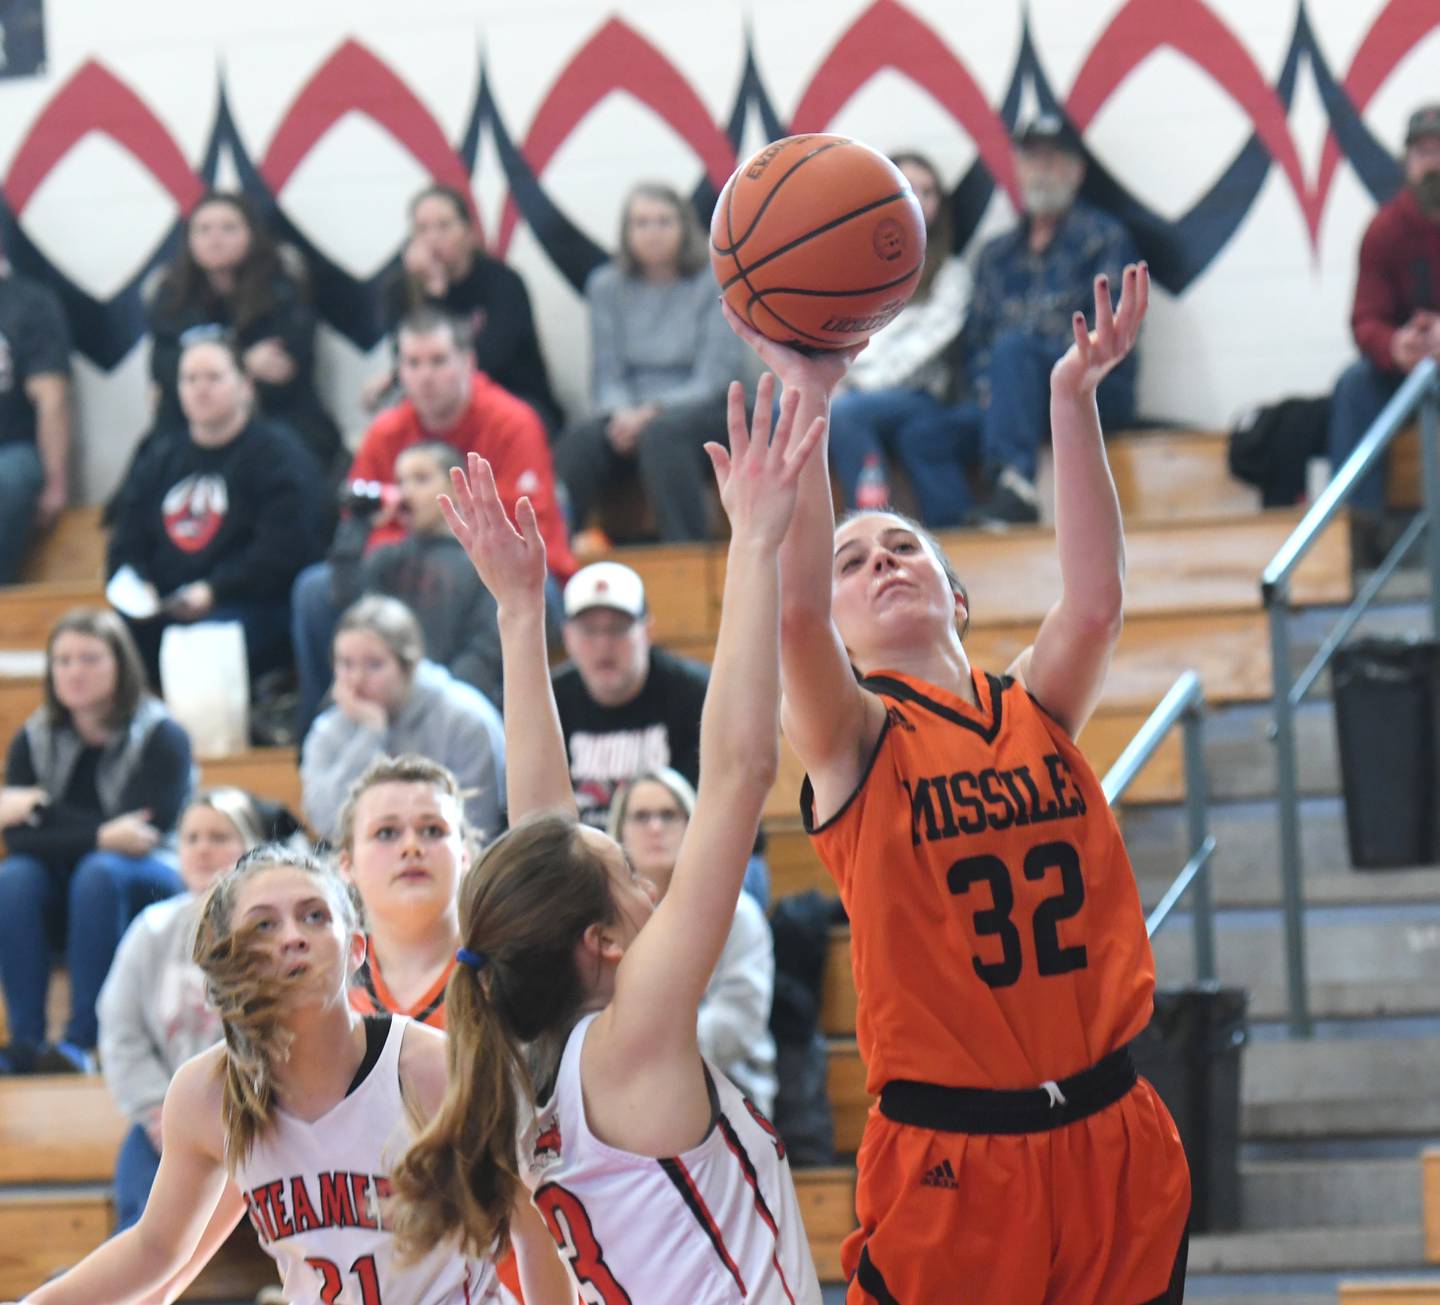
(998, 944)
(296, 1118)
(402, 844)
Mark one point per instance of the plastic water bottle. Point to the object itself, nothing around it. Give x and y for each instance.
(872, 491)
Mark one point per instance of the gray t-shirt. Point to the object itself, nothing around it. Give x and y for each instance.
(657, 342)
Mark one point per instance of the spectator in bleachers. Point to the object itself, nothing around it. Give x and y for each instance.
(1029, 283)
(894, 398)
(448, 401)
(34, 414)
(443, 267)
(427, 571)
(661, 358)
(228, 278)
(153, 1015)
(626, 706)
(648, 819)
(94, 782)
(218, 523)
(390, 700)
(1396, 317)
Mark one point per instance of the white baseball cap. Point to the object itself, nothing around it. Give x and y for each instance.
(605, 584)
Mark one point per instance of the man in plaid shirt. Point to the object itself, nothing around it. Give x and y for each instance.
(1029, 283)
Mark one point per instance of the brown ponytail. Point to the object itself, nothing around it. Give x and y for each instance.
(523, 909)
(242, 987)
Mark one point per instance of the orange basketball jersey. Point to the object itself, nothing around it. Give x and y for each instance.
(370, 995)
(996, 931)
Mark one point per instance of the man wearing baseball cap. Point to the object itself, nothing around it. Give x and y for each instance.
(1396, 317)
(1028, 284)
(625, 705)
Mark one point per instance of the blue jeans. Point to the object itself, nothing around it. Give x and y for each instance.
(1360, 393)
(135, 1170)
(313, 617)
(21, 480)
(1018, 416)
(933, 442)
(757, 880)
(39, 909)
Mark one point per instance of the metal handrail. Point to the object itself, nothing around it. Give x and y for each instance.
(1184, 704)
(1421, 390)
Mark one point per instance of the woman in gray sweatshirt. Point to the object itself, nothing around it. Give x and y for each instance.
(152, 1010)
(661, 360)
(389, 700)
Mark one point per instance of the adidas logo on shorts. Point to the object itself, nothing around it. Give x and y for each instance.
(940, 1176)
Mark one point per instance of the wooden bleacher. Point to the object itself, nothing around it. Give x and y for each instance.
(66, 1130)
(1389, 1293)
(1430, 1200)
(73, 550)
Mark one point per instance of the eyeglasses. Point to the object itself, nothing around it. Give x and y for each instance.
(667, 816)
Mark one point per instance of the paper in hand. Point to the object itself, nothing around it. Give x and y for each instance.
(131, 596)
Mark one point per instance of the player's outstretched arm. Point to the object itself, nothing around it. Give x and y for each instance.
(509, 558)
(825, 714)
(1065, 667)
(188, 1188)
(663, 975)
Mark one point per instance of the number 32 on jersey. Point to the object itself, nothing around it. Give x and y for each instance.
(1044, 861)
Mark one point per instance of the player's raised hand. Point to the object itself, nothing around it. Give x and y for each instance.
(509, 557)
(822, 370)
(759, 475)
(1096, 353)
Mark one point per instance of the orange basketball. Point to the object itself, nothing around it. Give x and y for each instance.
(817, 241)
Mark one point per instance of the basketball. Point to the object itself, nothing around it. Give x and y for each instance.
(817, 241)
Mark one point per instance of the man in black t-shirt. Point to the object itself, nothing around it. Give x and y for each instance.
(625, 706)
(34, 414)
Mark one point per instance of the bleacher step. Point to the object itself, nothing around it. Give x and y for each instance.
(43, 1232)
(1341, 950)
(1248, 838)
(1329, 1193)
(1390, 1293)
(1278, 1250)
(58, 1129)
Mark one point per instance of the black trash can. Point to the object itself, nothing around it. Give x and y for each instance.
(1190, 1052)
(1387, 703)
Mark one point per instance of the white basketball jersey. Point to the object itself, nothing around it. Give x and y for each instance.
(719, 1223)
(314, 1190)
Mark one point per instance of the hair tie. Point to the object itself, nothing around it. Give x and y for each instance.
(476, 961)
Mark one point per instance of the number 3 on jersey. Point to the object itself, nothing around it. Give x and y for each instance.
(994, 921)
(575, 1236)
